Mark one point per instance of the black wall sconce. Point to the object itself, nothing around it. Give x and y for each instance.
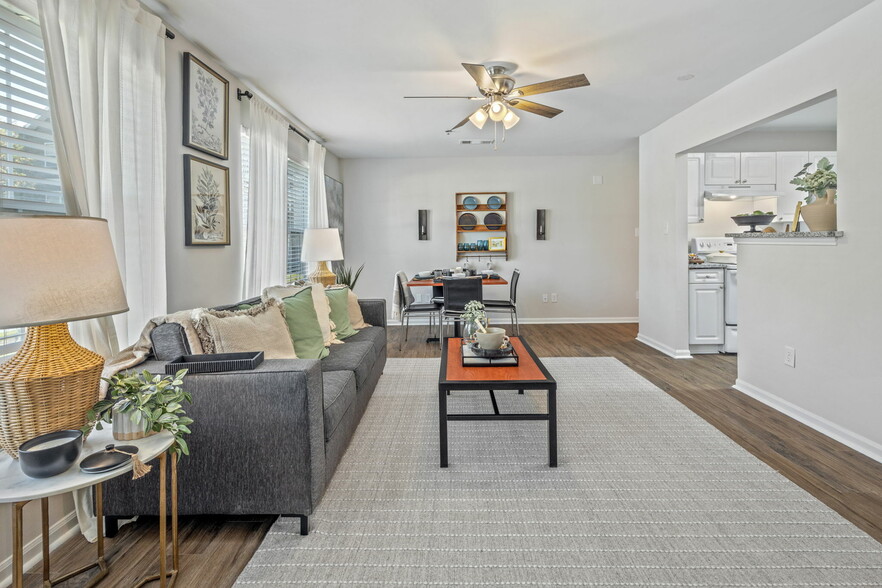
(423, 224)
(540, 224)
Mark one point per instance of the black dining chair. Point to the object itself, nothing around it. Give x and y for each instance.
(409, 307)
(511, 305)
(457, 293)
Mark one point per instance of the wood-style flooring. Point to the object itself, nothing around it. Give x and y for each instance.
(214, 550)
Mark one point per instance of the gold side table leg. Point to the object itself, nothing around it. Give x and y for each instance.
(17, 545)
(166, 577)
(44, 515)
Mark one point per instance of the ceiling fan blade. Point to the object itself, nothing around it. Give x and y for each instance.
(481, 76)
(462, 97)
(459, 124)
(552, 86)
(533, 107)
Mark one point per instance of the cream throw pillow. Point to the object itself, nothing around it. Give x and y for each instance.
(355, 316)
(259, 328)
(319, 301)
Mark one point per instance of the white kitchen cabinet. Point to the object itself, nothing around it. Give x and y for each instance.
(736, 169)
(722, 168)
(758, 168)
(789, 163)
(694, 187)
(706, 311)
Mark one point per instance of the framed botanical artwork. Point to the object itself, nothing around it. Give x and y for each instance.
(206, 202)
(497, 244)
(206, 108)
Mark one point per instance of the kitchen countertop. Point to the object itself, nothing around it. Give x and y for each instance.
(709, 265)
(795, 235)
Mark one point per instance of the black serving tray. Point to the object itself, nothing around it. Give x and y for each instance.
(472, 358)
(215, 362)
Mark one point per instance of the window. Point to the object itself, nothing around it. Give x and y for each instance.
(298, 205)
(28, 172)
(29, 180)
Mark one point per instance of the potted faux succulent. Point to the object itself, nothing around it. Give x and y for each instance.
(820, 208)
(474, 319)
(141, 404)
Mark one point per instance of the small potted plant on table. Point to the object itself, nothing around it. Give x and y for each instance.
(474, 319)
(819, 211)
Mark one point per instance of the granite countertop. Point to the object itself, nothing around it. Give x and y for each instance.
(710, 265)
(796, 235)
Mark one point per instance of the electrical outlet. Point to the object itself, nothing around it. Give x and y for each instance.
(554, 296)
(789, 356)
(545, 298)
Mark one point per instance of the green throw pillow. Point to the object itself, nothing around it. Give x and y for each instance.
(303, 324)
(339, 301)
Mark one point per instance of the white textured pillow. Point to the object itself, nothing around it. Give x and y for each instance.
(259, 328)
(355, 316)
(319, 301)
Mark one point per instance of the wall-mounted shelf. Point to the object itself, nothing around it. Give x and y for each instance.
(479, 205)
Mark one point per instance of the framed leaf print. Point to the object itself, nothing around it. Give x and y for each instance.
(206, 108)
(206, 202)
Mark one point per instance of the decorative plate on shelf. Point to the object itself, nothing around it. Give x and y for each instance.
(494, 202)
(470, 203)
(467, 221)
(493, 221)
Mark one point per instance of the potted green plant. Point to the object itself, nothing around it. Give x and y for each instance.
(347, 277)
(820, 208)
(474, 319)
(141, 404)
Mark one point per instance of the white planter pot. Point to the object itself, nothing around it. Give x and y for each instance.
(126, 429)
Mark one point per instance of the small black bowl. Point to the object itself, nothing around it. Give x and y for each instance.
(50, 454)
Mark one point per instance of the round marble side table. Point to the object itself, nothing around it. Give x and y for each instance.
(18, 489)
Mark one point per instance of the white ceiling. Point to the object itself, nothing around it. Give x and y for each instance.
(343, 66)
(817, 117)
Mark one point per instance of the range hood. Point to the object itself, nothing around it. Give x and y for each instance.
(739, 192)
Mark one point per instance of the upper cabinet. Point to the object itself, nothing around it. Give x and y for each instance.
(723, 169)
(694, 187)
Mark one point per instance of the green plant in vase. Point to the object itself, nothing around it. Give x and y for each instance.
(474, 319)
(348, 277)
(153, 403)
(816, 183)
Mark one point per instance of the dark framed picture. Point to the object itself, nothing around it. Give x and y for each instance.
(206, 108)
(206, 202)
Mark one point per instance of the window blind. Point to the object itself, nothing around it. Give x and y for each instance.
(298, 203)
(29, 181)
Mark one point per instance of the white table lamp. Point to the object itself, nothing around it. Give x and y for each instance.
(53, 269)
(321, 246)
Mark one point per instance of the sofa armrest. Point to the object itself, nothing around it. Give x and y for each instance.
(257, 444)
(374, 311)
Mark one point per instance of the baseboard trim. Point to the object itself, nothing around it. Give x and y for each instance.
(63, 529)
(666, 349)
(502, 317)
(857, 442)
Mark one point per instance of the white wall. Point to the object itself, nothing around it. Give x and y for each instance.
(824, 301)
(776, 141)
(589, 259)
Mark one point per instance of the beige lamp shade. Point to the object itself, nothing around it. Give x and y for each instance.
(55, 269)
(321, 245)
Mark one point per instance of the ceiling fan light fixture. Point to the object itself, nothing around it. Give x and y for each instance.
(478, 118)
(510, 119)
(498, 110)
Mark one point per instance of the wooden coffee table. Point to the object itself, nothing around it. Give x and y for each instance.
(530, 374)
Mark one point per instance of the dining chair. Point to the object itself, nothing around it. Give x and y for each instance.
(511, 305)
(409, 307)
(457, 293)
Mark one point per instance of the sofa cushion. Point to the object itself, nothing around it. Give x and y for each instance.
(338, 299)
(355, 356)
(355, 316)
(322, 308)
(339, 396)
(169, 342)
(303, 324)
(261, 328)
(374, 335)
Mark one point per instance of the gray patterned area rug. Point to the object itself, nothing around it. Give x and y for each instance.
(647, 494)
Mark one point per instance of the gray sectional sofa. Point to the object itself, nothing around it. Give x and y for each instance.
(264, 441)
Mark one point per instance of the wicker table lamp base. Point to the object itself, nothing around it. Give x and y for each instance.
(48, 385)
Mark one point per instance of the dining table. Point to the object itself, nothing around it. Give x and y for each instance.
(437, 285)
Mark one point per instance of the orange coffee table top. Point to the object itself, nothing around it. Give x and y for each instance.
(527, 370)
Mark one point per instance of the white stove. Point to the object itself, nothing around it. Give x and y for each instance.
(723, 321)
(705, 247)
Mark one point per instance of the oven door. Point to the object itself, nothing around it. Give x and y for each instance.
(731, 293)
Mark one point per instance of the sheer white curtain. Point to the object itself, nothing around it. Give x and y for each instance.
(266, 238)
(105, 61)
(318, 199)
(106, 70)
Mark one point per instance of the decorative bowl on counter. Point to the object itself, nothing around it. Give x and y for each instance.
(753, 220)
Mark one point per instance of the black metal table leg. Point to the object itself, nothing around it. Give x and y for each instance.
(442, 425)
(552, 427)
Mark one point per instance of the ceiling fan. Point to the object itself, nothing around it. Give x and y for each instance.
(500, 95)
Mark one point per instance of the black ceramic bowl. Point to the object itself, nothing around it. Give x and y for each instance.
(50, 454)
